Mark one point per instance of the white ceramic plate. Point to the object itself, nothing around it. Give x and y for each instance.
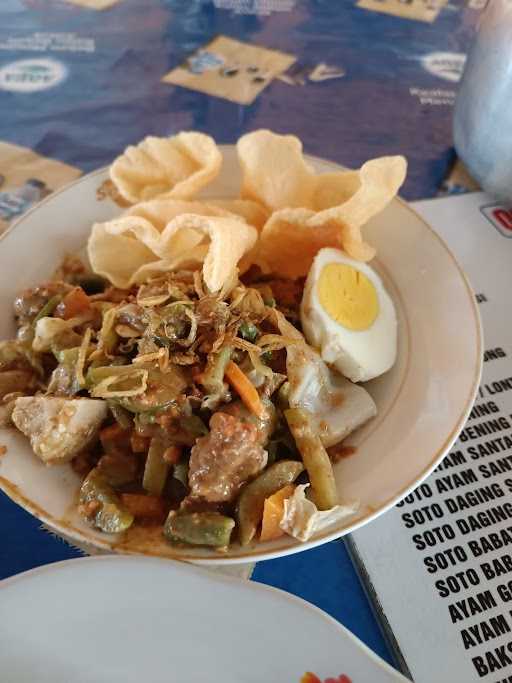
(423, 401)
(126, 620)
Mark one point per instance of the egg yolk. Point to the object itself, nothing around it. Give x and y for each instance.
(348, 296)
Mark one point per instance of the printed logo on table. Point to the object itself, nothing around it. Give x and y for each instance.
(32, 75)
(500, 217)
(446, 65)
(204, 61)
(261, 7)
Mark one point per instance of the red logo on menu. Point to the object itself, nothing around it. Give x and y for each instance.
(500, 216)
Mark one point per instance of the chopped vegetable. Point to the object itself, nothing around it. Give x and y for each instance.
(144, 507)
(48, 308)
(121, 416)
(156, 469)
(82, 357)
(100, 504)
(95, 375)
(199, 528)
(132, 383)
(161, 391)
(245, 389)
(107, 335)
(251, 502)
(248, 331)
(273, 511)
(213, 377)
(66, 356)
(315, 457)
(73, 304)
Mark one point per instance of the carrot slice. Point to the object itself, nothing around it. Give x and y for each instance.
(75, 302)
(273, 509)
(244, 388)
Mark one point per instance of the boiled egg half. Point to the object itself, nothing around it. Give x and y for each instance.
(348, 316)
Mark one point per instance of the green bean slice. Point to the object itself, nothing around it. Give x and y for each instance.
(315, 457)
(111, 516)
(249, 510)
(156, 469)
(48, 308)
(199, 528)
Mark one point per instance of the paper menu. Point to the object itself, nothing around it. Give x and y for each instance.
(439, 565)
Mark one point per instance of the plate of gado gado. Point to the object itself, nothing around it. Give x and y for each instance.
(228, 353)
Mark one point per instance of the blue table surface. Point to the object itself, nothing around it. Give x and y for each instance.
(113, 96)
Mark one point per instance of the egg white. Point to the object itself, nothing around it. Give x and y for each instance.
(360, 355)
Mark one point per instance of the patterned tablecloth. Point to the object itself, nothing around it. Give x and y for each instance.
(81, 79)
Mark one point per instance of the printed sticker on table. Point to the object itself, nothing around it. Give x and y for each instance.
(26, 178)
(230, 69)
(420, 10)
(260, 7)
(301, 74)
(32, 75)
(95, 4)
(446, 65)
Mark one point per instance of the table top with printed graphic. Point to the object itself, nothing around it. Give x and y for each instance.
(82, 79)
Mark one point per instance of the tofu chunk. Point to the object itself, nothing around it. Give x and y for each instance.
(58, 428)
